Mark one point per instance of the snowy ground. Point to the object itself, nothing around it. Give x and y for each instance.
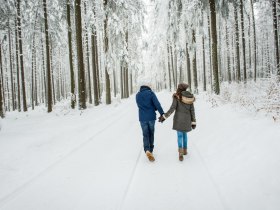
(94, 160)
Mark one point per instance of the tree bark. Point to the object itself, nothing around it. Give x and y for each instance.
(194, 65)
(18, 70)
(274, 13)
(87, 57)
(169, 69)
(21, 57)
(80, 56)
(210, 54)
(188, 67)
(11, 70)
(172, 65)
(254, 40)
(237, 44)
(243, 41)
(228, 54)
(106, 46)
(203, 60)
(212, 4)
(94, 67)
(1, 86)
(49, 79)
(70, 48)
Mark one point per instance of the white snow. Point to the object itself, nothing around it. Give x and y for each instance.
(94, 160)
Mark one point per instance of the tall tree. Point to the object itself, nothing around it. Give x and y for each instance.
(49, 79)
(188, 67)
(243, 40)
(203, 63)
(212, 4)
(169, 68)
(87, 57)
(1, 86)
(194, 65)
(106, 47)
(80, 56)
(17, 64)
(11, 69)
(72, 76)
(228, 54)
(94, 66)
(254, 40)
(21, 56)
(237, 44)
(276, 46)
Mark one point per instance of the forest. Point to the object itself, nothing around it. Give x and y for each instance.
(90, 52)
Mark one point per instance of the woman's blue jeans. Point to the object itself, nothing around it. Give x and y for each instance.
(148, 130)
(182, 139)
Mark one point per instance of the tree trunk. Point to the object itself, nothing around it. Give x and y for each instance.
(106, 46)
(18, 71)
(203, 60)
(169, 69)
(237, 45)
(11, 70)
(80, 56)
(32, 74)
(126, 69)
(214, 46)
(274, 12)
(228, 54)
(21, 57)
(71, 65)
(121, 82)
(44, 70)
(254, 40)
(94, 67)
(243, 41)
(87, 57)
(172, 65)
(189, 68)
(194, 65)
(210, 55)
(1, 86)
(49, 84)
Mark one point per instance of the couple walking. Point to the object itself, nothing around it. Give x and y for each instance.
(183, 122)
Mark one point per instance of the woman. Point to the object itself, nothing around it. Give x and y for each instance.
(184, 119)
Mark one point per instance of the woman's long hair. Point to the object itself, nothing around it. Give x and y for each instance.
(178, 94)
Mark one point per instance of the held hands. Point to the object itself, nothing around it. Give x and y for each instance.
(161, 119)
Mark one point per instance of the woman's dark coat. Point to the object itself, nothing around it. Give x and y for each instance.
(184, 115)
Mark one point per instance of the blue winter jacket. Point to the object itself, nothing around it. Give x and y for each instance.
(147, 103)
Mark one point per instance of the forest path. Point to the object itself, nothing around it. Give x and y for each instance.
(96, 161)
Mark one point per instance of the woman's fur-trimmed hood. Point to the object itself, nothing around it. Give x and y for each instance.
(187, 97)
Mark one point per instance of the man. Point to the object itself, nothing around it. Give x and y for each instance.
(148, 104)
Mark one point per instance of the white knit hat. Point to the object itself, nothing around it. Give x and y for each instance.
(144, 81)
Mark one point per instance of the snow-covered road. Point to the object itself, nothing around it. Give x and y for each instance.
(95, 161)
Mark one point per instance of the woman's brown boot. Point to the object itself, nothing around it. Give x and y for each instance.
(181, 153)
(185, 151)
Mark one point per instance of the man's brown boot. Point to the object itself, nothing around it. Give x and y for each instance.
(150, 156)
